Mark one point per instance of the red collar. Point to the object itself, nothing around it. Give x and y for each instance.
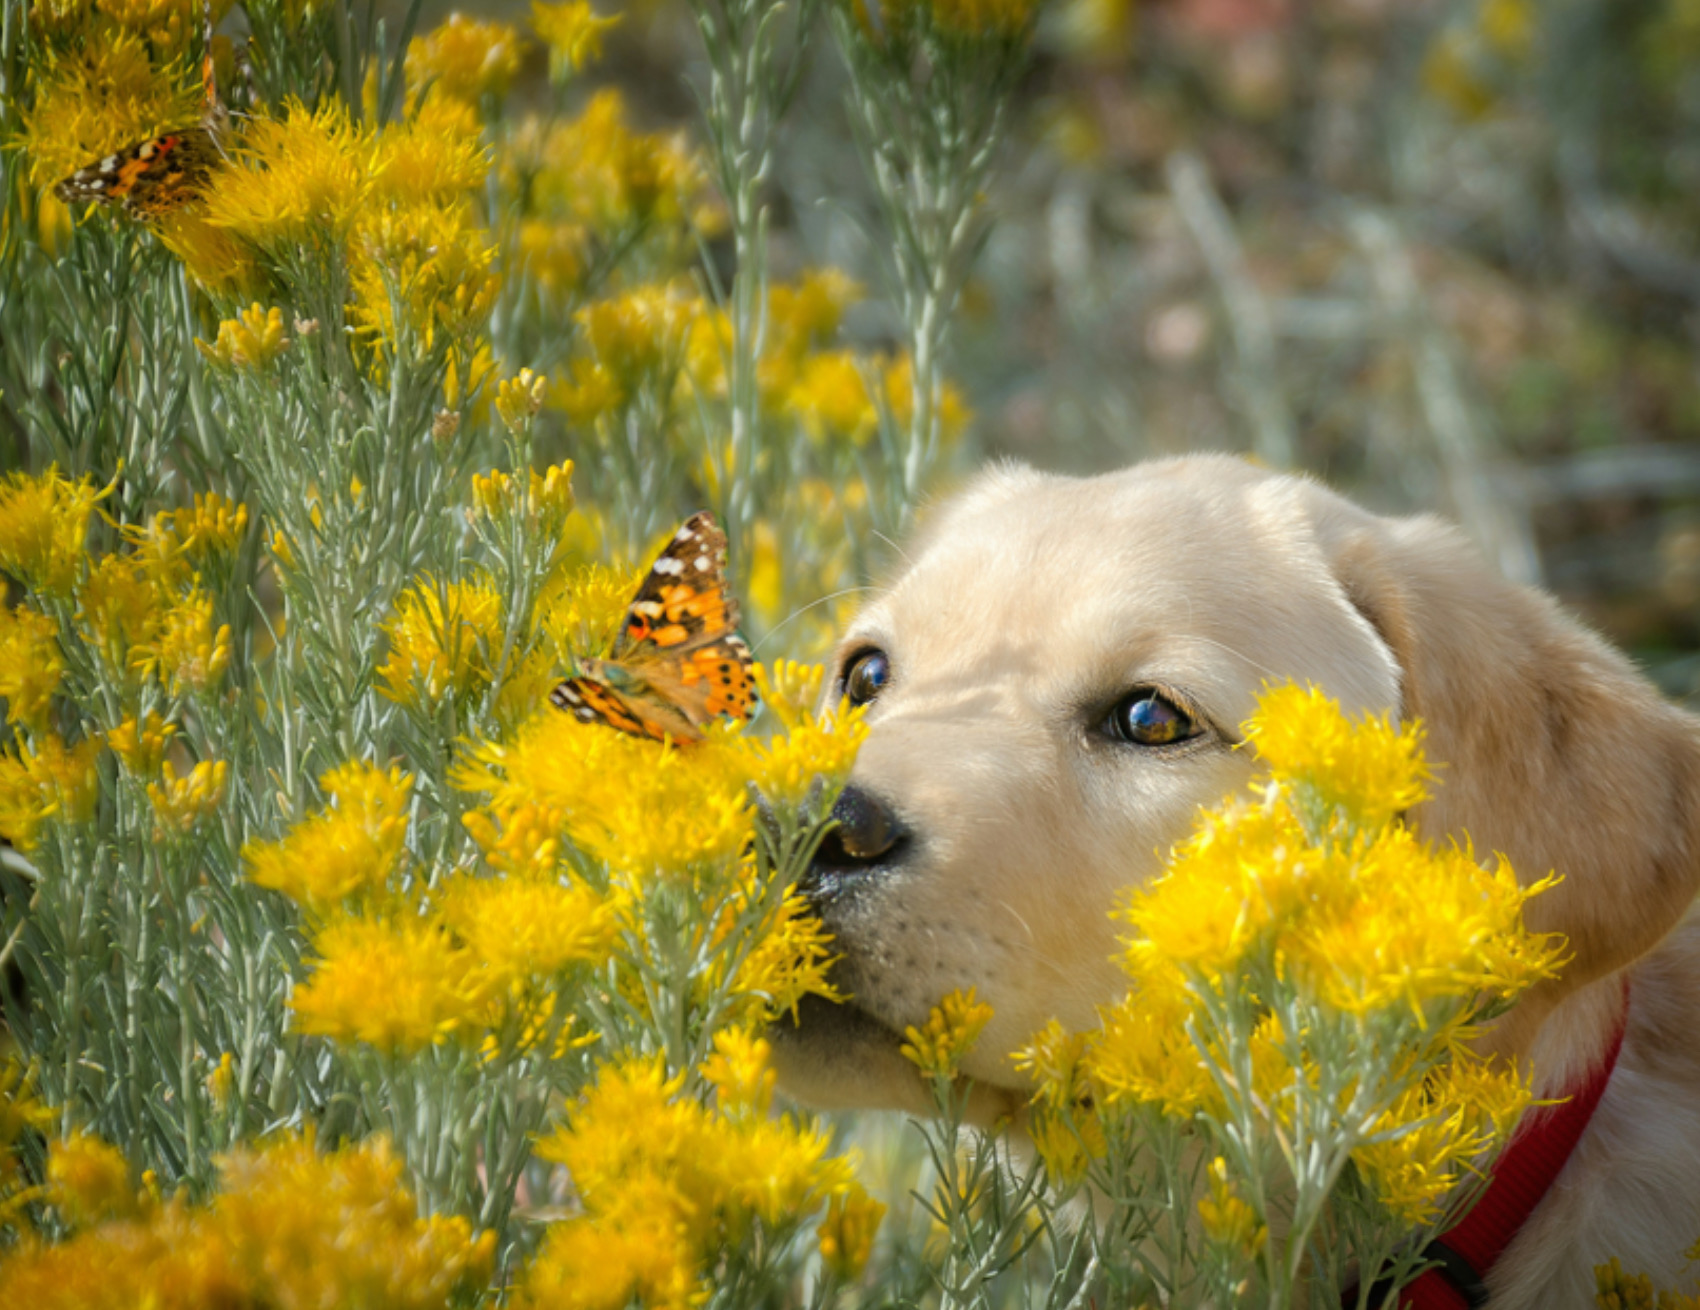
(1521, 1177)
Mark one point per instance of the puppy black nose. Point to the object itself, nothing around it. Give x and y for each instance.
(867, 833)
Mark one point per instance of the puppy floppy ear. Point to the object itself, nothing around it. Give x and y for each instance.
(1551, 748)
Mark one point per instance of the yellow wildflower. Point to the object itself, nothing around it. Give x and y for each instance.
(998, 20)
(520, 398)
(425, 268)
(846, 1235)
(21, 1113)
(185, 651)
(179, 803)
(465, 58)
(829, 397)
(648, 1161)
(806, 314)
(1228, 1220)
(598, 172)
(951, 1029)
(790, 690)
(553, 254)
(397, 985)
(43, 527)
(349, 848)
(633, 338)
(740, 1070)
(214, 525)
(443, 638)
(97, 99)
(788, 768)
(634, 804)
(948, 406)
(546, 501)
(210, 255)
(573, 33)
(89, 1180)
(1423, 1144)
(251, 340)
(121, 604)
(436, 156)
(140, 743)
(47, 780)
(524, 841)
(349, 1225)
(1372, 769)
(295, 181)
(1145, 1052)
(519, 929)
(31, 665)
(221, 1082)
(1419, 925)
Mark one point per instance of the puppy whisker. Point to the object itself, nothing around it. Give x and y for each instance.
(798, 613)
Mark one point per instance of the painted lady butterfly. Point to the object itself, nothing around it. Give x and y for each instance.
(676, 663)
(153, 177)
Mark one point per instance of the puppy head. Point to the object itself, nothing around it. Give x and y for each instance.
(1047, 636)
(1056, 684)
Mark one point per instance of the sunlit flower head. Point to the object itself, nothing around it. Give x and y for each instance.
(140, 743)
(829, 396)
(741, 1070)
(89, 1180)
(543, 499)
(436, 156)
(952, 1027)
(791, 958)
(251, 340)
(396, 984)
(213, 525)
(444, 637)
(424, 270)
(465, 58)
(44, 781)
(31, 665)
(186, 652)
(573, 33)
(43, 528)
(598, 172)
(790, 766)
(846, 1235)
(519, 399)
(640, 807)
(298, 180)
(97, 99)
(1228, 1220)
(1371, 768)
(210, 254)
(181, 802)
(351, 848)
(519, 928)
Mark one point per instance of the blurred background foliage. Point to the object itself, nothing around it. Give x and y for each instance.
(1442, 253)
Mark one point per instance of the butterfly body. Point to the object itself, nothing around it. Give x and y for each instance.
(678, 662)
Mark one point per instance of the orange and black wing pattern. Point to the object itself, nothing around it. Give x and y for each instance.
(677, 661)
(149, 178)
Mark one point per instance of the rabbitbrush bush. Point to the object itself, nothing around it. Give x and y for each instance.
(347, 972)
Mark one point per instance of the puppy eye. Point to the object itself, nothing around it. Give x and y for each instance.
(1145, 718)
(867, 673)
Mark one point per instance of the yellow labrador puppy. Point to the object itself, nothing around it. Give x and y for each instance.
(1056, 681)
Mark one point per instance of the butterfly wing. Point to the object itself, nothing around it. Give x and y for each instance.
(684, 601)
(149, 178)
(590, 701)
(677, 662)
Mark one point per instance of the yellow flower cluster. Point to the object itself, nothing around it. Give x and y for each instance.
(444, 637)
(351, 849)
(44, 524)
(573, 33)
(47, 780)
(667, 1183)
(251, 340)
(94, 96)
(544, 499)
(288, 1227)
(952, 1028)
(1313, 898)
(21, 1113)
(31, 665)
(180, 803)
(464, 58)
